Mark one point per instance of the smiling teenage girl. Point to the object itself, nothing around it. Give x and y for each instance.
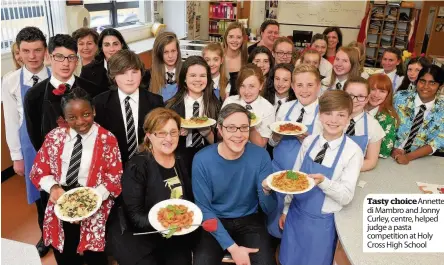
(345, 66)
(236, 54)
(392, 65)
(214, 56)
(413, 68)
(250, 83)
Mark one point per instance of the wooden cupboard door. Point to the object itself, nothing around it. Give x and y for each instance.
(428, 39)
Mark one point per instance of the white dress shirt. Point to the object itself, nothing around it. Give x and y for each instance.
(307, 119)
(13, 107)
(375, 131)
(325, 68)
(216, 86)
(189, 102)
(55, 82)
(418, 103)
(373, 111)
(88, 144)
(340, 189)
(261, 108)
(325, 85)
(105, 64)
(134, 104)
(392, 76)
(170, 71)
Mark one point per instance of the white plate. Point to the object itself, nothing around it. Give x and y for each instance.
(275, 127)
(311, 183)
(59, 215)
(197, 217)
(208, 123)
(256, 122)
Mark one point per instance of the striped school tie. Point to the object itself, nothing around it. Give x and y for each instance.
(197, 138)
(131, 138)
(417, 122)
(278, 106)
(74, 163)
(248, 107)
(351, 128)
(338, 86)
(320, 156)
(35, 80)
(301, 116)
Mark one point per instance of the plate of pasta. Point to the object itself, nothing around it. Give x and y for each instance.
(179, 216)
(288, 128)
(255, 120)
(77, 204)
(197, 122)
(290, 182)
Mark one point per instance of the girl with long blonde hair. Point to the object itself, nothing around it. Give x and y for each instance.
(214, 56)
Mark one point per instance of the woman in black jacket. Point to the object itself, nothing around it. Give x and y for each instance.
(154, 174)
(110, 42)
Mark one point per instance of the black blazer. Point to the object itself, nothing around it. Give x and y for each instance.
(42, 108)
(96, 73)
(143, 186)
(109, 115)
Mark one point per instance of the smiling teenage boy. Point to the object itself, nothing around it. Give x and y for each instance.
(32, 46)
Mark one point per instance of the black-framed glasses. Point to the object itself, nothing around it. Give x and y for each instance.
(233, 129)
(163, 134)
(430, 83)
(60, 57)
(284, 54)
(358, 98)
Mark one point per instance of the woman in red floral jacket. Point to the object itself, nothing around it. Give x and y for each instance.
(82, 153)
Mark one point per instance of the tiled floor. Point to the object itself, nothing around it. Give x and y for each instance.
(19, 219)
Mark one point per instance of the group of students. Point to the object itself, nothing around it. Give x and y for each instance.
(117, 128)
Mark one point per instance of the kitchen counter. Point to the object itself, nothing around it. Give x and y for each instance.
(388, 177)
(18, 253)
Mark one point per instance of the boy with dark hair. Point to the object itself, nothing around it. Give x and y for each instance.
(32, 46)
(42, 103)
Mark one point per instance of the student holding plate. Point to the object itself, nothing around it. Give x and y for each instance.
(334, 161)
(195, 98)
(80, 154)
(156, 173)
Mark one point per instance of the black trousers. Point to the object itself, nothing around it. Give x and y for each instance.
(248, 231)
(69, 256)
(41, 207)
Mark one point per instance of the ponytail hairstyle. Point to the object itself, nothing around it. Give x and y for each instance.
(223, 80)
(361, 49)
(243, 48)
(353, 56)
(269, 89)
(397, 52)
(154, 121)
(406, 82)
(158, 65)
(211, 103)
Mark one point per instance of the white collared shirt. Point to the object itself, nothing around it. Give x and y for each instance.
(373, 111)
(13, 107)
(55, 82)
(261, 108)
(307, 119)
(418, 103)
(375, 131)
(105, 64)
(189, 102)
(134, 104)
(340, 189)
(88, 144)
(392, 76)
(216, 86)
(170, 71)
(325, 68)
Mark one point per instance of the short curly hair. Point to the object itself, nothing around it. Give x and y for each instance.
(30, 34)
(83, 32)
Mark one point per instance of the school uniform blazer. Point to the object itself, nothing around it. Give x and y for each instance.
(109, 115)
(106, 169)
(432, 129)
(43, 111)
(95, 72)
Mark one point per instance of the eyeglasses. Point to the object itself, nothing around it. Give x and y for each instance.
(60, 57)
(424, 82)
(358, 98)
(233, 129)
(284, 54)
(163, 134)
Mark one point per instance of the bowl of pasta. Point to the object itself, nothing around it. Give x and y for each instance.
(176, 216)
(77, 204)
(290, 182)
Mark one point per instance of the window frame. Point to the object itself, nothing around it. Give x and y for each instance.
(113, 6)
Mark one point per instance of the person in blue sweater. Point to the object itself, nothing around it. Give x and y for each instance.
(228, 180)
